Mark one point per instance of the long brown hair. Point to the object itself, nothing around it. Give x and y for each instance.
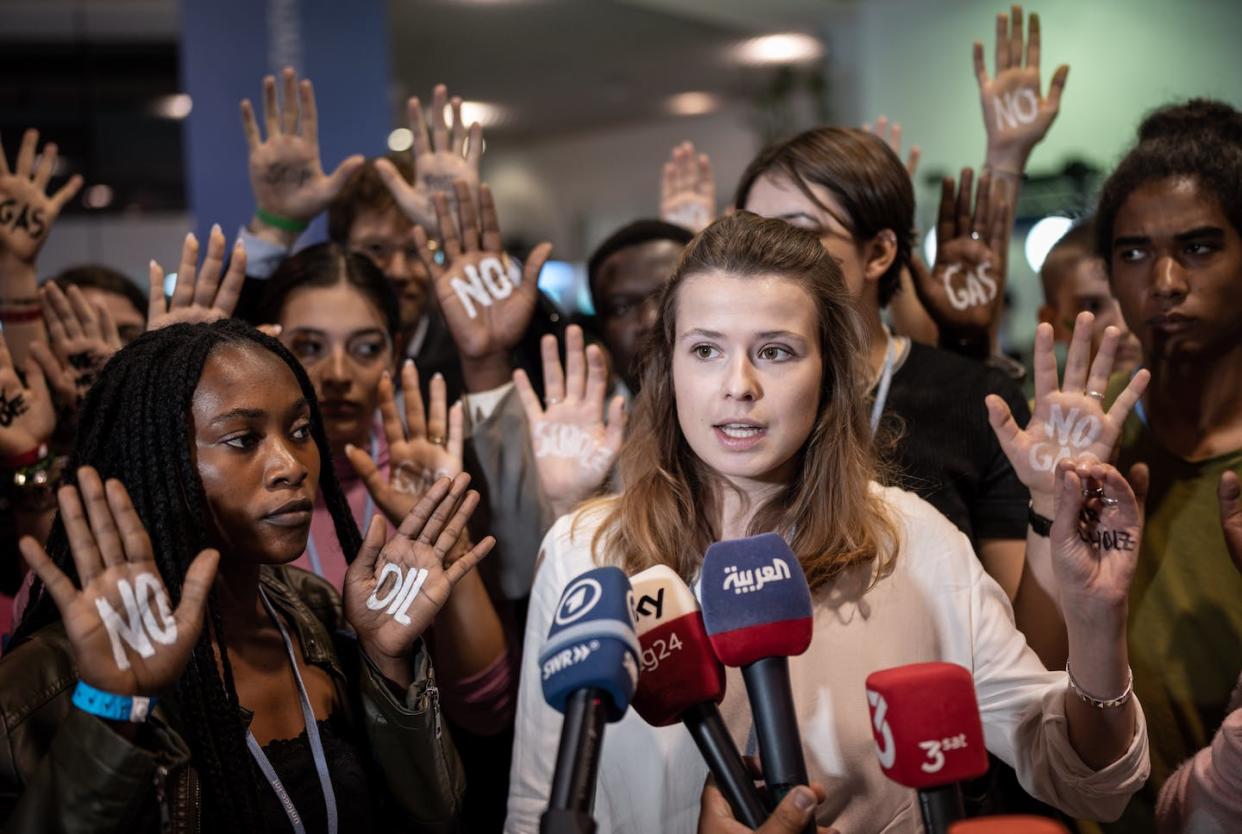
(828, 511)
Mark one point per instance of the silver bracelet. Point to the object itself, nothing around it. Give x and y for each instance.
(1101, 703)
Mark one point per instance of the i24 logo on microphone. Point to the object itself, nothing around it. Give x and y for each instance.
(745, 581)
(936, 749)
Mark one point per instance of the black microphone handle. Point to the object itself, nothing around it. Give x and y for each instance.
(577, 758)
(941, 807)
(725, 762)
(556, 821)
(776, 726)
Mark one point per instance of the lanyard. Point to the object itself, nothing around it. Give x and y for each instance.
(886, 378)
(312, 552)
(312, 735)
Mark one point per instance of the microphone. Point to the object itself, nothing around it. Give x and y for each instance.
(589, 669)
(928, 735)
(757, 610)
(683, 681)
(1017, 824)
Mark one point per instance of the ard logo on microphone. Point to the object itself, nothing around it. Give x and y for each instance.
(745, 581)
(578, 601)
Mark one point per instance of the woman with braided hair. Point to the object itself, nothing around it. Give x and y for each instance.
(153, 679)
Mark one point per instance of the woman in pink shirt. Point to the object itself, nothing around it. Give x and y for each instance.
(337, 314)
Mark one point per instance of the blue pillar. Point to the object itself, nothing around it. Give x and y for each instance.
(227, 46)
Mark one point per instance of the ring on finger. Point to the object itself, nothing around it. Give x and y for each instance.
(554, 400)
(976, 236)
(1095, 395)
(435, 439)
(1099, 493)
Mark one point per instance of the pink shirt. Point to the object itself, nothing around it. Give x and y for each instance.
(1204, 796)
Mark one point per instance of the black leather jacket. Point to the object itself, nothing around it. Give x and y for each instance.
(62, 769)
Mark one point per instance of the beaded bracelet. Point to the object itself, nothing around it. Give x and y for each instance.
(1101, 703)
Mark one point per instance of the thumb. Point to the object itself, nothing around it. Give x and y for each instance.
(372, 478)
(194, 591)
(36, 382)
(1139, 480)
(392, 179)
(1003, 425)
(348, 167)
(534, 264)
(792, 815)
(1229, 493)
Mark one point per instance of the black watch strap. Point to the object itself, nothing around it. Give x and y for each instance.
(1041, 525)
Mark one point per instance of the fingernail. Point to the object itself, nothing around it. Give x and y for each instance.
(215, 229)
(409, 363)
(349, 447)
(803, 799)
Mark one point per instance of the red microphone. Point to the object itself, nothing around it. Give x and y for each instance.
(1008, 825)
(928, 735)
(681, 680)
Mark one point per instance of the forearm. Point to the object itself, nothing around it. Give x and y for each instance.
(468, 633)
(1036, 609)
(19, 288)
(1099, 661)
(486, 373)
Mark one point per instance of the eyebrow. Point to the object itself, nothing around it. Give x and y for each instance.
(767, 334)
(315, 331)
(255, 413)
(1196, 233)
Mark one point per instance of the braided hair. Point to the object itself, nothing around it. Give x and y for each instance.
(135, 427)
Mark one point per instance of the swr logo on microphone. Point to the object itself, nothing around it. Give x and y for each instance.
(565, 658)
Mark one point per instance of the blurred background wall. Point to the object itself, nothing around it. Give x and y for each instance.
(581, 100)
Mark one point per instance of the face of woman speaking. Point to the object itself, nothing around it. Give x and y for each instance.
(255, 454)
(339, 336)
(746, 373)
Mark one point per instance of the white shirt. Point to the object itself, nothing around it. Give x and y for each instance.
(936, 605)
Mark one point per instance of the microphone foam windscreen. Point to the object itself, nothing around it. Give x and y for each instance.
(1017, 824)
(591, 643)
(756, 602)
(926, 724)
(679, 668)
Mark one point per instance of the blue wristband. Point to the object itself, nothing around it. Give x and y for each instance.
(113, 707)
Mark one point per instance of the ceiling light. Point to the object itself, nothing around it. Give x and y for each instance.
(487, 115)
(97, 197)
(176, 106)
(788, 48)
(692, 104)
(1042, 237)
(400, 139)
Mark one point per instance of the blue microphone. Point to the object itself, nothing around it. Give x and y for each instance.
(757, 611)
(589, 669)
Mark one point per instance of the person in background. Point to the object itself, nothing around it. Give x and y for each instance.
(1169, 226)
(1075, 280)
(106, 288)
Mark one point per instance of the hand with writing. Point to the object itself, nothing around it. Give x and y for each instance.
(890, 132)
(126, 636)
(688, 189)
(443, 156)
(394, 590)
(1015, 114)
(574, 448)
(421, 451)
(27, 418)
(82, 339)
(486, 300)
(286, 174)
(964, 291)
(27, 211)
(200, 295)
(1069, 420)
(1096, 534)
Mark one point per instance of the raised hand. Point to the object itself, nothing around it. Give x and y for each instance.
(421, 451)
(890, 132)
(574, 448)
(200, 295)
(1096, 534)
(789, 817)
(486, 300)
(1229, 494)
(1016, 115)
(126, 637)
(688, 189)
(964, 291)
(1069, 420)
(286, 174)
(82, 339)
(27, 211)
(443, 154)
(27, 418)
(394, 590)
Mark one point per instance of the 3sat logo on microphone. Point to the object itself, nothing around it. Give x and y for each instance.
(578, 601)
(936, 749)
